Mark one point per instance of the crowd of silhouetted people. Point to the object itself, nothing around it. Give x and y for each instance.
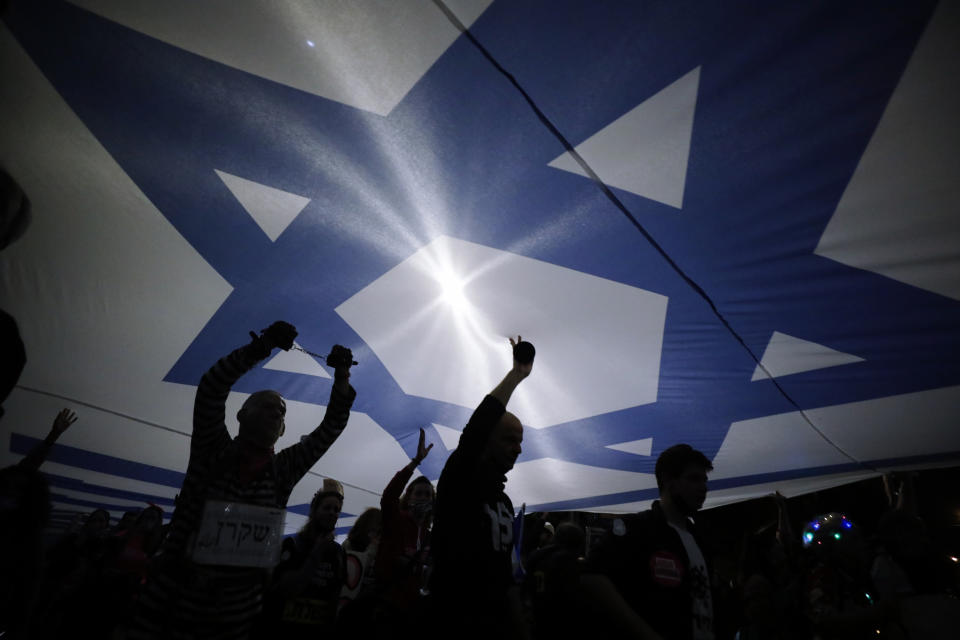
(652, 574)
(450, 559)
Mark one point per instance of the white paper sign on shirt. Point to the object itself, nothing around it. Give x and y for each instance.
(239, 535)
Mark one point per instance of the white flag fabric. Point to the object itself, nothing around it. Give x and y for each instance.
(661, 204)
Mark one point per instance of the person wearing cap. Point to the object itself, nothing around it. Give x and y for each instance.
(472, 579)
(305, 590)
(225, 530)
(649, 577)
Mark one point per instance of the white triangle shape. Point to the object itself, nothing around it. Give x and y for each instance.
(449, 437)
(898, 214)
(637, 447)
(786, 355)
(270, 208)
(296, 362)
(645, 151)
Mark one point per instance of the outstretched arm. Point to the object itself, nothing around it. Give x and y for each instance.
(39, 453)
(485, 417)
(784, 528)
(390, 500)
(294, 461)
(209, 408)
(514, 377)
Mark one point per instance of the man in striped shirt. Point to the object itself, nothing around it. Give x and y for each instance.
(190, 595)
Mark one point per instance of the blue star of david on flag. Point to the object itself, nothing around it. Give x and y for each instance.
(404, 199)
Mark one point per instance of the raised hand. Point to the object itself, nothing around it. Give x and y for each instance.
(62, 422)
(341, 359)
(523, 353)
(422, 451)
(521, 349)
(279, 334)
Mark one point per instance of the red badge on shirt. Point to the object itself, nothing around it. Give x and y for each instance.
(666, 569)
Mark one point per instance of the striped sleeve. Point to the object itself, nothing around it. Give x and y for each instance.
(209, 408)
(293, 462)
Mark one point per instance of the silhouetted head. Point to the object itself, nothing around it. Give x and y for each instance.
(96, 521)
(681, 473)
(503, 448)
(366, 530)
(571, 537)
(127, 520)
(149, 519)
(262, 418)
(420, 491)
(326, 505)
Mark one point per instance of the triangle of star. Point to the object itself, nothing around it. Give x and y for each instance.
(897, 216)
(296, 362)
(449, 437)
(637, 447)
(645, 151)
(786, 355)
(272, 209)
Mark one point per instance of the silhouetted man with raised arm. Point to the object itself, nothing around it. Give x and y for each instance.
(472, 581)
(216, 558)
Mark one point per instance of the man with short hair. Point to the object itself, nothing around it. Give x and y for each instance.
(472, 580)
(649, 576)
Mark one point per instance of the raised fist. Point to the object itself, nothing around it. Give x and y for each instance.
(523, 354)
(279, 334)
(341, 359)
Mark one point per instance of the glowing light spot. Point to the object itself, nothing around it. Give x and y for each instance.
(954, 558)
(816, 525)
(836, 536)
(452, 288)
(808, 537)
(310, 43)
(847, 524)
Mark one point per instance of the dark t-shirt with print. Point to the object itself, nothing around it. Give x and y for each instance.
(473, 529)
(649, 566)
(313, 609)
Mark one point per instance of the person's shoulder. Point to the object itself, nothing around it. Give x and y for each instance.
(456, 472)
(635, 523)
(631, 532)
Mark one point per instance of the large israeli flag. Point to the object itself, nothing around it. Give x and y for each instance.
(728, 224)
